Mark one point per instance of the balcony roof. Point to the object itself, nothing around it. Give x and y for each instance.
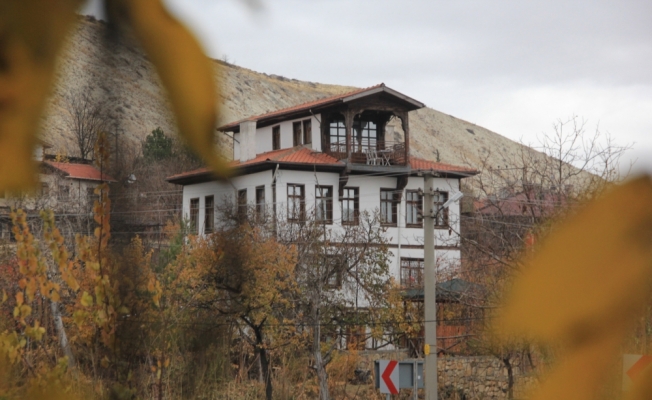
(314, 106)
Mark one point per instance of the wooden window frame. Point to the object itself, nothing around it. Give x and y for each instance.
(194, 215)
(320, 198)
(64, 192)
(260, 202)
(392, 202)
(209, 214)
(441, 218)
(242, 204)
(356, 205)
(338, 126)
(276, 137)
(307, 131)
(413, 209)
(333, 270)
(292, 213)
(414, 274)
(297, 134)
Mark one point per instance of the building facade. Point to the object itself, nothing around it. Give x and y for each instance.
(332, 159)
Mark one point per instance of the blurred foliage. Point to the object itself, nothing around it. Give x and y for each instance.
(30, 43)
(583, 287)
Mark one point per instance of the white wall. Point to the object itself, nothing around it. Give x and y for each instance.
(403, 240)
(264, 136)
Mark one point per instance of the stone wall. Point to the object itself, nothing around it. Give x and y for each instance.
(481, 377)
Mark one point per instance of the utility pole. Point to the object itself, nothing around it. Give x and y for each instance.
(431, 212)
(430, 299)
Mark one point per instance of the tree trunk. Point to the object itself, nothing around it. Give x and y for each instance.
(322, 376)
(264, 362)
(61, 333)
(510, 378)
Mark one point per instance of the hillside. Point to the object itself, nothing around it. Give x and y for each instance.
(121, 73)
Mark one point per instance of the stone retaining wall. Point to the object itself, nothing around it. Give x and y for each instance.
(481, 377)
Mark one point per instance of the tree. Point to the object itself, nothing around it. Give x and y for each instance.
(515, 205)
(243, 273)
(157, 146)
(86, 118)
(343, 273)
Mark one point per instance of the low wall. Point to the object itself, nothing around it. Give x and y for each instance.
(481, 377)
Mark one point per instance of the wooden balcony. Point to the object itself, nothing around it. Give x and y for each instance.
(382, 153)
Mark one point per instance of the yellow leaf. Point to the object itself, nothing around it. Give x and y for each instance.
(105, 362)
(79, 317)
(4, 297)
(20, 298)
(591, 274)
(184, 69)
(86, 300)
(30, 43)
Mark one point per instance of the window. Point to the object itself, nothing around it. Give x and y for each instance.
(412, 272)
(337, 135)
(441, 219)
(324, 204)
(45, 189)
(365, 134)
(350, 206)
(260, 202)
(296, 134)
(296, 202)
(209, 214)
(194, 216)
(242, 204)
(414, 204)
(276, 138)
(388, 207)
(64, 192)
(307, 132)
(333, 271)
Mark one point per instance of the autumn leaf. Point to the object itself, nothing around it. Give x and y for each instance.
(184, 69)
(86, 300)
(29, 44)
(584, 285)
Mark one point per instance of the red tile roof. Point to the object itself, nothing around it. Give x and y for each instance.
(303, 155)
(299, 155)
(294, 155)
(421, 164)
(301, 107)
(80, 171)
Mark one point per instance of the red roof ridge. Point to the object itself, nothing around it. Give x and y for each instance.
(302, 105)
(423, 164)
(80, 171)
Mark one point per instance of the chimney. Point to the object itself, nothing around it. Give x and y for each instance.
(247, 140)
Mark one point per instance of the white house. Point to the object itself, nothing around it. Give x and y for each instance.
(339, 155)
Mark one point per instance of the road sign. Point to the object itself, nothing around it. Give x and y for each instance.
(389, 376)
(633, 365)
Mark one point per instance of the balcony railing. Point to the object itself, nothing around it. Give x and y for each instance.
(375, 152)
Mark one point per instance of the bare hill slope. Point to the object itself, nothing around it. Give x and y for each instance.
(121, 73)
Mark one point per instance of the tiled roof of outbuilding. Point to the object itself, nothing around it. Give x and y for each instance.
(80, 171)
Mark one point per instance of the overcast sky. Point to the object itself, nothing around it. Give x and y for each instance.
(514, 67)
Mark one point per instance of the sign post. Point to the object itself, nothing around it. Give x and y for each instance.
(392, 376)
